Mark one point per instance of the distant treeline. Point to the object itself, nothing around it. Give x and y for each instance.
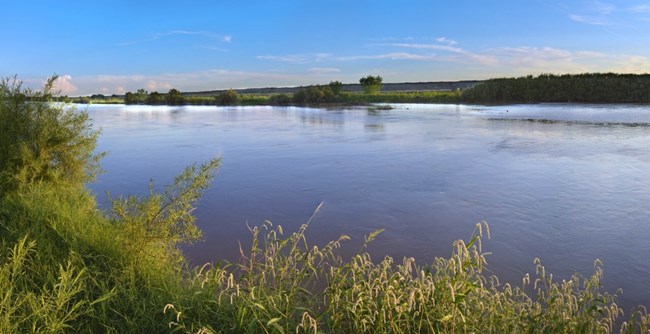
(578, 88)
(581, 88)
(316, 95)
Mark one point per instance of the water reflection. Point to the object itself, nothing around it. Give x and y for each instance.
(566, 183)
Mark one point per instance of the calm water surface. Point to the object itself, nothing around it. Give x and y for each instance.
(565, 183)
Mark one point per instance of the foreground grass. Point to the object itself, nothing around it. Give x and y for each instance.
(66, 267)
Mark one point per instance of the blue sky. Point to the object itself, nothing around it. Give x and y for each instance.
(117, 46)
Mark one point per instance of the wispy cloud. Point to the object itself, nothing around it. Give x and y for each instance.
(323, 70)
(224, 38)
(457, 54)
(640, 9)
(298, 58)
(391, 55)
(195, 81)
(446, 40)
(206, 34)
(603, 8)
(589, 20)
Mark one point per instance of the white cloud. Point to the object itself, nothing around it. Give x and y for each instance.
(588, 20)
(324, 70)
(603, 8)
(202, 80)
(392, 56)
(226, 38)
(64, 85)
(446, 40)
(298, 58)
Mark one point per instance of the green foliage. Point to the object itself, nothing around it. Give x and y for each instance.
(139, 97)
(174, 97)
(43, 141)
(155, 99)
(314, 95)
(227, 98)
(371, 84)
(336, 87)
(402, 97)
(154, 226)
(280, 100)
(582, 88)
(66, 267)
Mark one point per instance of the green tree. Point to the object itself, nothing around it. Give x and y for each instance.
(371, 84)
(155, 98)
(175, 97)
(41, 141)
(139, 97)
(336, 87)
(314, 95)
(227, 98)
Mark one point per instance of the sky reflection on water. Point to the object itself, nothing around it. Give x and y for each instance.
(565, 183)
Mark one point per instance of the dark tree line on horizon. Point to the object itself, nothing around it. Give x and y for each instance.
(579, 88)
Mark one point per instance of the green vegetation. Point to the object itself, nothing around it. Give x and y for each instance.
(583, 88)
(67, 267)
(227, 98)
(578, 88)
(371, 84)
(174, 98)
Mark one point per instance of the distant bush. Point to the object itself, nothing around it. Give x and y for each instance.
(280, 100)
(227, 98)
(314, 95)
(139, 97)
(175, 98)
(371, 84)
(336, 87)
(155, 99)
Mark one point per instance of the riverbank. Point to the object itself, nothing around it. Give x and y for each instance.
(567, 88)
(346, 94)
(67, 265)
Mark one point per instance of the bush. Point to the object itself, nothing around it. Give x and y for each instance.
(174, 98)
(314, 95)
(43, 141)
(227, 98)
(371, 84)
(280, 100)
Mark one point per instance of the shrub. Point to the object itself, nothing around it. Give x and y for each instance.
(371, 84)
(43, 141)
(314, 95)
(280, 100)
(175, 98)
(227, 98)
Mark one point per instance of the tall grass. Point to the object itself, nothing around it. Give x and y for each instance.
(285, 285)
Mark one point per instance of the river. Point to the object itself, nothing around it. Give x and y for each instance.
(563, 182)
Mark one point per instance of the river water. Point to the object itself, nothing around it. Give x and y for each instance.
(566, 183)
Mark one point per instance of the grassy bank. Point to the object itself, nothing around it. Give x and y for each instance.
(66, 266)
